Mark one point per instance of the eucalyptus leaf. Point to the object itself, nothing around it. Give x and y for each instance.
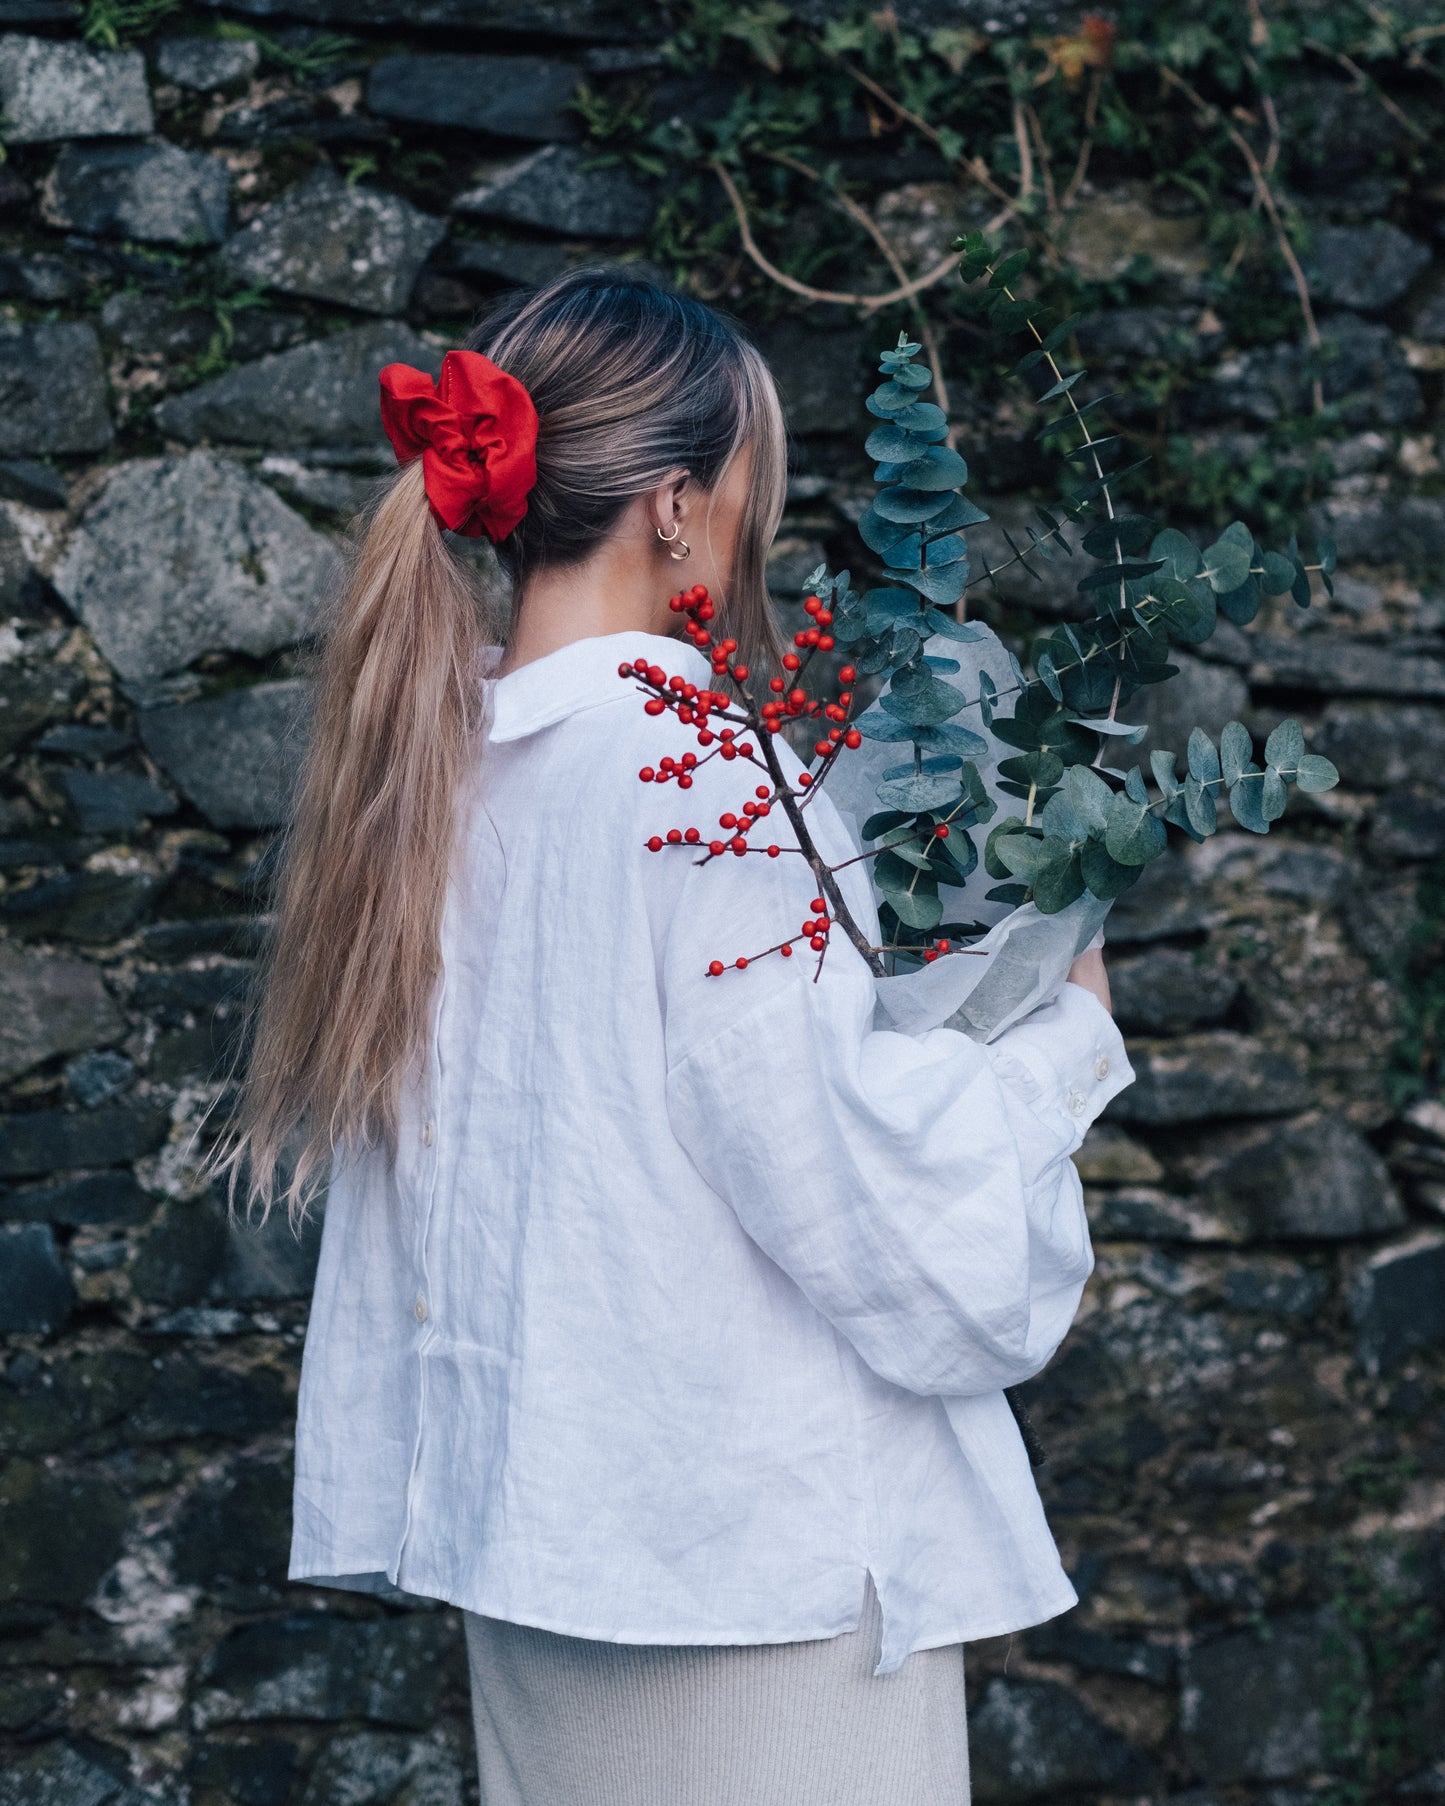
(1105, 876)
(937, 468)
(1244, 800)
(1203, 759)
(1235, 751)
(1199, 805)
(1058, 885)
(1092, 797)
(1273, 794)
(1133, 834)
(1130, 732)
(918, 908)
(910, 505)
(1286, 743)
(922, 790)
(1315, 772)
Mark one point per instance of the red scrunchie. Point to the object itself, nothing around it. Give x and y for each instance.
(476, 433)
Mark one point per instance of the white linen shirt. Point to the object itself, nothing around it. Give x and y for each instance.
(688, 1298)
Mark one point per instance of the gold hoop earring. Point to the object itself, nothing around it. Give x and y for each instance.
(681, 549)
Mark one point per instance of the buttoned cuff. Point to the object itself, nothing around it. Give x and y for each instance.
(1072, 1057)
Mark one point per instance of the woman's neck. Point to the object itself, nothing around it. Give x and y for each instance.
(619, 589)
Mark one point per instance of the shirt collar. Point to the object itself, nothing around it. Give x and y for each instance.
(579, 675)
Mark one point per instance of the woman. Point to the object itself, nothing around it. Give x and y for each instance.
(662, 1319)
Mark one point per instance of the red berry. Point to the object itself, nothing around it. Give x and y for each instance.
(852, 737)
(654, 705)
(716, 846)
(741, 964)
(773, 852)
(847, 674)
(786, 950)
(817, 905)
(674, 837)
(647, 774)
(941, 831)
(811, 605)
(818, 943)
(826, 642)
(775, 684)
(797, 698)
(655, 844)
(791, 661)
(825, 617)
(624, 670)
(805, 778)
(692, 837)
(716, 968)
(727, 821)
(740, 673)
(822, 746)
(943, 946)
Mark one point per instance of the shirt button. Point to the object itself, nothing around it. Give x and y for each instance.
(426, 1133)
(419, 1310)
(1101, 1067)
(1076, 1100)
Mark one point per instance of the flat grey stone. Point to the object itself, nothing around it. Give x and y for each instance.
(51, 89)
(50, 1004)
(1409, 824)
(1215, 1072)
(1364, 267)
(1397, 1300)
(31, 695)
(35, 1291)
(1166, 899)
(506, 260)
(353, 245)
(206, 63)
(372, 1768)
(1332, 664)
(1258, 1708)
(43, 1141)
(1406, 530)
(507, 96)
(235, 756)
(38, 485)
(1169, 989)
(1314, 1179)
(110, 802)
(39, 278)
(318, 1666)
(1030, 1738)
(1383, 745)
(1110, 1156)
(1145, 1213)
(324, 393)
(56, 1775)
(1202, 695)
(179, 556)
(156, 192)
(586, 19)
(1362, 369)
(552, 191)
(52, 389)
(95, 1078)
(818, 370)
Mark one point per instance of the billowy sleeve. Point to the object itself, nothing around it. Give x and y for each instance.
(918, 1189)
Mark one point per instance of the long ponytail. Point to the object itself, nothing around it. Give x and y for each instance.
(629, 382)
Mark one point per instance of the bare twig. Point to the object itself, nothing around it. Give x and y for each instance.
(1367, 84)
(1265, 196)
(868, 303)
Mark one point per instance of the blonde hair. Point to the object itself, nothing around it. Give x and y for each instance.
(630, 383)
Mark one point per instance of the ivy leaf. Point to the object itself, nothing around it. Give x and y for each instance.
(1315, 772)
(1235, 751)
(1202, 758)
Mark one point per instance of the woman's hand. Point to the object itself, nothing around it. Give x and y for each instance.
(1088, 971)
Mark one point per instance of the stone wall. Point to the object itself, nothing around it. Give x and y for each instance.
(211, 243)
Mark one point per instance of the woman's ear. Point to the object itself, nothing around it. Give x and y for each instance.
(671, 500)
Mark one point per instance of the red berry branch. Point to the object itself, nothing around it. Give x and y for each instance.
(733, 725)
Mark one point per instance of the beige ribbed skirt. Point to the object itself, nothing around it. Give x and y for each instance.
(573, 1721)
